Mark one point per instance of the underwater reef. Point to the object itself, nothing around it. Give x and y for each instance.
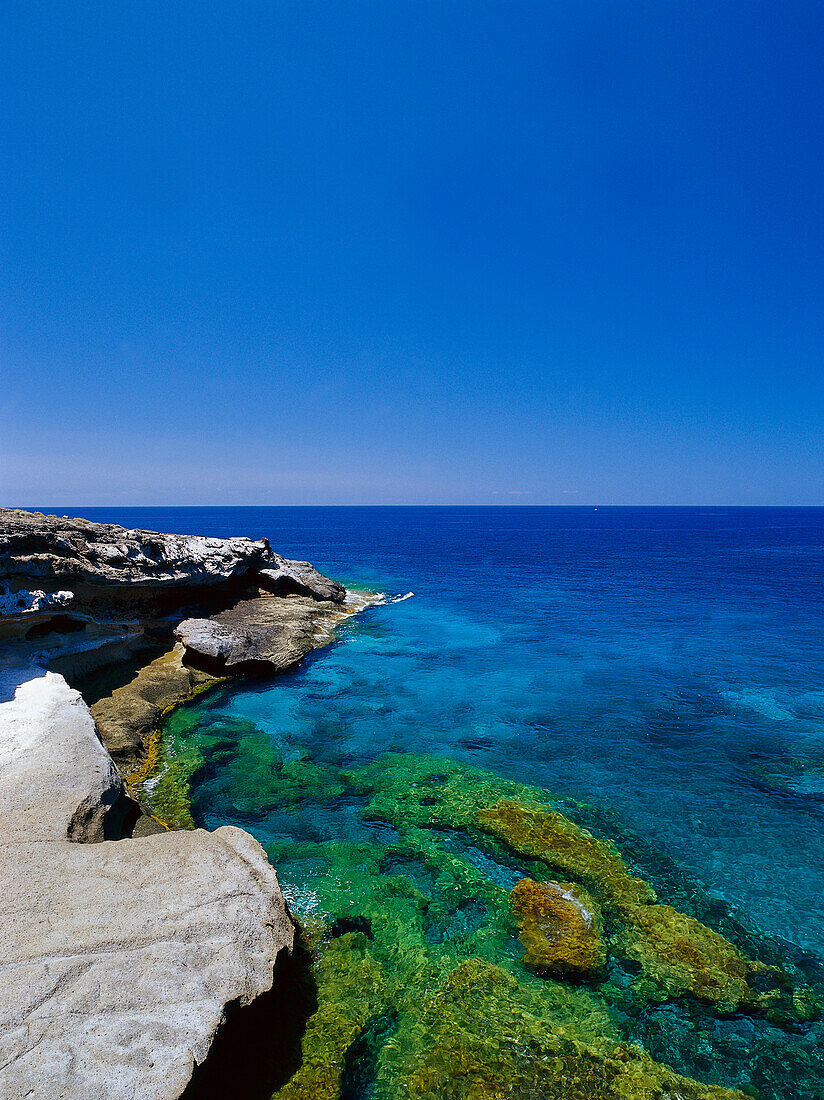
(466, 939)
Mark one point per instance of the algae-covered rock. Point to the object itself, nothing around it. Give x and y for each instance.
(351, 993)
(482, 1037)
(560, 928)
(676, 954)
(679, 955)
(552, 838)
(423, 990)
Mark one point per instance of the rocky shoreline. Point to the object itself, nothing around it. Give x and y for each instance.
(156, 963)
(125, 946)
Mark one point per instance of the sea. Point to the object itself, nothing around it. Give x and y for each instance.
(658, 671)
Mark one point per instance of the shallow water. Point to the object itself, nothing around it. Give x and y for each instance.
(657, 672)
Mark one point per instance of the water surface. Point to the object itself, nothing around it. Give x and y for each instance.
(658, 671)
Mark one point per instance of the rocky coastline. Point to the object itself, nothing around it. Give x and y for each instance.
(144, 958)
(125, 946)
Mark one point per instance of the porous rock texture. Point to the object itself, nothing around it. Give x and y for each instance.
(64, 552)
(119, 958)
(77, 595)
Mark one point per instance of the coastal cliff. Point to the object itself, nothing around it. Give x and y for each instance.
(125, 953)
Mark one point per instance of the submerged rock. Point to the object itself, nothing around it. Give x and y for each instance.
(482, 1037)
(560, 928)
(675, 953)
(121, 959)
(421, 989)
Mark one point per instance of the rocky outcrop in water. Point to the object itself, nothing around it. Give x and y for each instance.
(77, 595)
(257, 635)
(560, 926)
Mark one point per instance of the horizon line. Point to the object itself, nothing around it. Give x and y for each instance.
(510, 504)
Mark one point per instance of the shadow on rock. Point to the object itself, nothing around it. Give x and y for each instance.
(259, 1048)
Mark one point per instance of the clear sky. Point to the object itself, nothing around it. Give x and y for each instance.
(411, 251)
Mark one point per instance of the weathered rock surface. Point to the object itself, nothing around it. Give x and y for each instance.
(261, 635)
(301, 578)
(129, 715)
(64, 550)
(57, 782)
(76, 596)
(120, 959)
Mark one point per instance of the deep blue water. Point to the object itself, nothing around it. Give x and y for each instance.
(664, 664)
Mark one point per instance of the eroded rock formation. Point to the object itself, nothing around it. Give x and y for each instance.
(123, 957)
(76, 596)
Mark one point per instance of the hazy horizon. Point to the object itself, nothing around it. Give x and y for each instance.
(56, 509)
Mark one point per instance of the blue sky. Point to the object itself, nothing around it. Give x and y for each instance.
(411, 252)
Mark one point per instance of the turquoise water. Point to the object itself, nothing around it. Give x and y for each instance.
(659, 672)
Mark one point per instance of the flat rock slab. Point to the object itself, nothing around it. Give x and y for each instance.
(119, 959)
(128, 716)
(260, 635)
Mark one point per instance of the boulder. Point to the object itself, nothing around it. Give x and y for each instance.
(561, 927)
(263, 635)
(57, 782)
(300, 577)
(121, 959)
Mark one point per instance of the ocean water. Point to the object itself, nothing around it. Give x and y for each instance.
(658, 673)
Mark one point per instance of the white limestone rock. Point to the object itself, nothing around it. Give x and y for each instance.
(119, 958)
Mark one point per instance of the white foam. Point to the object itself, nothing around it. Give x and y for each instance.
(359, 601)
(570, 897)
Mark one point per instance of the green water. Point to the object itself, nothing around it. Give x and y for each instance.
(400, 873)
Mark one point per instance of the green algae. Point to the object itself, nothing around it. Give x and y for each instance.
(184, 749)
(676, 954)
(482, 1036)
(423, 989)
